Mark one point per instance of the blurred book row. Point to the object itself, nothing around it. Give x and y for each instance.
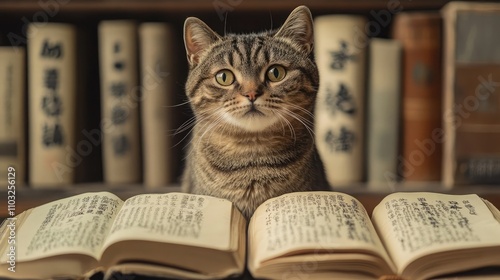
(134, 128)
(420, 106)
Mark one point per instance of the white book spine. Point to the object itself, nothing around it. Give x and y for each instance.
(384, 109)
(157, 63)
(52, 95)
(120, 94)
(340, 51)
(12, 114)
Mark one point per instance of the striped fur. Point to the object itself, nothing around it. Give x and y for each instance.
(245, 155)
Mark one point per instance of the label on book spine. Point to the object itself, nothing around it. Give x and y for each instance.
(340, 56)
(478, 170)
(52, 92)
(119, 101)
(12, 113)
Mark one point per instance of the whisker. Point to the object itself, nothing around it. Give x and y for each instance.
(281, 122)
(202, 126)
(303, 121)
(211, 125)
(307, 112)
(183, 138)
(290, 126)
(302, 118)
(185, 126)
(190, 125)
(176, 105)
(191, 128)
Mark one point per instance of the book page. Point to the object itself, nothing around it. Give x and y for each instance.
(74, 225)
(311, 221)
(416, 224)
(178, 218)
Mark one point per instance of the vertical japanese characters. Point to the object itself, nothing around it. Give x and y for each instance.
(12, 113)
(339, 105)
(419, 224)
(52, 91)
(119, 101)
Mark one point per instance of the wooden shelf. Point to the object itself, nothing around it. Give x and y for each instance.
(27, 198)
(98, 6)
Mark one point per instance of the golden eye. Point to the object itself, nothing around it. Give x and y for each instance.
(276, 73)
(224, 77)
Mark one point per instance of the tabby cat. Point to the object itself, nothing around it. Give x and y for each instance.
(253, 97)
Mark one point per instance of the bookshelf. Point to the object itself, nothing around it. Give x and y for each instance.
(174, 6)
(28, 198)
(243, 16)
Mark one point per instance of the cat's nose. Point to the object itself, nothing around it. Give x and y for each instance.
(252, 95)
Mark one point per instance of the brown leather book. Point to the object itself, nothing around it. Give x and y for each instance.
(420, 35)
(472, 100)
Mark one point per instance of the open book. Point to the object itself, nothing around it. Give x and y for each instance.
(177, 235)
(318, 235)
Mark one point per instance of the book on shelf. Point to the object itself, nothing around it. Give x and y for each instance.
(157, 43)
(318, 234)
(120, 95)
(383, 113)
(471, 94)
(421, 137)
(339, 111)
(13, 114)
(52, 78)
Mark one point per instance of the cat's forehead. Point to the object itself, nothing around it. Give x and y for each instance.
(233, 40)
(251, 36)
(247, 50)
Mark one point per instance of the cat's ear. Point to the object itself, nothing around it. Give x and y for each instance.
(298, 27)
(197, 37)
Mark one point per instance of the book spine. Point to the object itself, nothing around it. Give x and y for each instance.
(448, 162)
(12, 114)
(475, 123)
(119, 101)
(471, 107)
(52, 92)
(383, 113)
(340, 51)
(157, 65)
(420, 35)
(476, 154)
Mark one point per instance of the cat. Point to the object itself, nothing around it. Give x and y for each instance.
(253, 98)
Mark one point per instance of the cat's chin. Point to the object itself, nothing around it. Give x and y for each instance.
(252, 121)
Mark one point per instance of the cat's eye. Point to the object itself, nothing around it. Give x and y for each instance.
(276, 73)
(224, 77)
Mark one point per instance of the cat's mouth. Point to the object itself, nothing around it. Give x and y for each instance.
(251, 118)
(253, 111)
